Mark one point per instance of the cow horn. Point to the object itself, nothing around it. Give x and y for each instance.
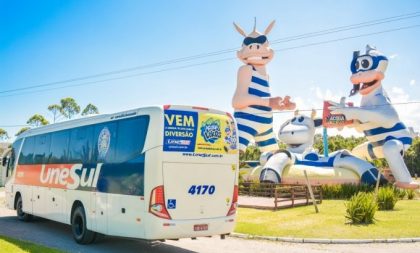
(313, 114)
(239, 29)
(269, 27)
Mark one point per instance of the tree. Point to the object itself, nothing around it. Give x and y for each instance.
(69, 107)
(55, 109)
(22, 130)
(3, 134)
(90, 109)
(412, 157)
(37, 120)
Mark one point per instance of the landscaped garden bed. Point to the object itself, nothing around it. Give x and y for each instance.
(330, 222)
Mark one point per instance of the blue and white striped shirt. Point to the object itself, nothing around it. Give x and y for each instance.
(256, 114)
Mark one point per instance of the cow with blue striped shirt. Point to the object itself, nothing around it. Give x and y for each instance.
(252, 100)
(387, 136)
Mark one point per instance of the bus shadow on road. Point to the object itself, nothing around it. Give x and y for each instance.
(57, 235)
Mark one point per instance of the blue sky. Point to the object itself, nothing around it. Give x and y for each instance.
(48, 41)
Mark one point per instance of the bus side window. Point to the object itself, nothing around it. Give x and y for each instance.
(12, 159)
(131, 137)
(81, 145)
(59, 144)
(104, 139)
(27, 154)
(126, 174)
(42, 148)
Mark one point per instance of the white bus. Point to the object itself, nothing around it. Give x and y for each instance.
(153, 173)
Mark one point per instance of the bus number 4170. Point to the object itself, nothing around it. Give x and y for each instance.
(202, 189)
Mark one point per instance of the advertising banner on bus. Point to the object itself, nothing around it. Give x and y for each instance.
(199, 132)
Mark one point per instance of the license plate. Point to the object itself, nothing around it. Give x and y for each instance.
(201, 227)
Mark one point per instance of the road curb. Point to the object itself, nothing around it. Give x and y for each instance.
(324, 240)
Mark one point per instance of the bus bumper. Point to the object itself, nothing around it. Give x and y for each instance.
(159, 229)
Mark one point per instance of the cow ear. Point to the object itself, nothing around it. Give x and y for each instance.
(318, 122)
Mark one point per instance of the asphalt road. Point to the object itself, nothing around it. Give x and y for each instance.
(59, 236)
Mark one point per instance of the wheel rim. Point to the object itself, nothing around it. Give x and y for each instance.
(78, 226)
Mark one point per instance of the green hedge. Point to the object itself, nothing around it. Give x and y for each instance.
(344, 191)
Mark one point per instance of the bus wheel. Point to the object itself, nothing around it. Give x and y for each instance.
(78, 226)
(19, 211)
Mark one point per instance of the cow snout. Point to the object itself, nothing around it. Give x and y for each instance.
(254, 47)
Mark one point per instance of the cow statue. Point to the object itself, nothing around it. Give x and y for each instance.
(287, 166)
(252, 101)
(387, 136)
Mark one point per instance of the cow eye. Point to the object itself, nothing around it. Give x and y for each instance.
(300, 119)
(365, 63)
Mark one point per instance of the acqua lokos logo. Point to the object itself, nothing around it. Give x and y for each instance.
(210, 130)
(69, 177)
(336, 119)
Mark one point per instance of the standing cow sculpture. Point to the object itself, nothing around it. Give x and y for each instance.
(252, 100)
(387, 136)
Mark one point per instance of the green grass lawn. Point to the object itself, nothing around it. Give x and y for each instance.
(10, 245)
(403, 221)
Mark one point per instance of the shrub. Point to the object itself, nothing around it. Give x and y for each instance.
(400, 193)
(344, 191)
(387, 198)
(241, 176)
(411, 194)
(361, 208)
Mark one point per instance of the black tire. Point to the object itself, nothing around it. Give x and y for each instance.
(19, 211)
(78, 227)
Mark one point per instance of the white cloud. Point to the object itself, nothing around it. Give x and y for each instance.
(412, 82)
(393, 56)
(326, 95)
(409, 113)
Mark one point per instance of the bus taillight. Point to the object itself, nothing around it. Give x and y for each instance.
(157, 203)
(234, 205)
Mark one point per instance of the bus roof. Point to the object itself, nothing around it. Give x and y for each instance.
(90, 120)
